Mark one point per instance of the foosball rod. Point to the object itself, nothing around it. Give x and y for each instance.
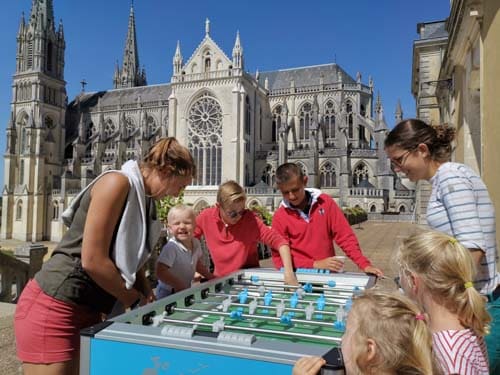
(261, 317)
(333, 302)
(249, 278)
(258, 330)
(286, 309)
(276, 284)
(330, 293)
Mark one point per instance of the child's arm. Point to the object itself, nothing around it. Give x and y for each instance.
(203, 270)
(165, 274)
(286, 257)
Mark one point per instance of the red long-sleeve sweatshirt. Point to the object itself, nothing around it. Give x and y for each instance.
(313, 240)
(234, 247)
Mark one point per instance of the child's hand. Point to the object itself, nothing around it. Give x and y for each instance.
(291, 279)
(374, 270)
(330, 263)
(308, 366)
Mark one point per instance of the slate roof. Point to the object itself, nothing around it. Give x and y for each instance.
(432, 30)
(124, 96)
(304, 76)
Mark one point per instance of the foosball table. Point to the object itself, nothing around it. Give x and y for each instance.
(246, 323)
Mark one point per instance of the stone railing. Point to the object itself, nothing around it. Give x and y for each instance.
(207, 75)
(395, 217)
(15, 271)
(366, 192)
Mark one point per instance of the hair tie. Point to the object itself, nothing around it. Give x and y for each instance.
(468, 284)
(420, 316)
(453, 241)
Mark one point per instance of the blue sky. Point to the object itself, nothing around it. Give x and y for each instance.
(373, 37)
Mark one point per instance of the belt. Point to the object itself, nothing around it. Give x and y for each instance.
(494, 295)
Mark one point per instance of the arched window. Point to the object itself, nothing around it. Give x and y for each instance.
(269, 175)
(151, 126)
(129, 126)
(207, 64)
(247, 115)
(329, 120)
(55, 210)
(19, 210)
(362, 110)
(402, 209)
(29, 58)
(328, 176)
(109, 128)
(24, 140)
(276, 123)
(89, 131)
(305, 119)
(200, 206)
(373, 208)
(49, 56)
(49, 123)
(349, 120)
(21, 173)
(360, 174)
(88, 151)
(205, 139)
(110, 151)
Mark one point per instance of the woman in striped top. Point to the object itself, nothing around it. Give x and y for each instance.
(459, 205)
(436, 271)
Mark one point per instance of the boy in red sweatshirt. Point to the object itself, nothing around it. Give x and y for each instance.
(311, 221)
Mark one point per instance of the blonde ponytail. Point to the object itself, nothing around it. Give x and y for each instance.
(447, 269)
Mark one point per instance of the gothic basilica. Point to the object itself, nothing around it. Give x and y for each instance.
(238, 125)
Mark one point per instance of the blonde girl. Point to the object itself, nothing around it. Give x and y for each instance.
(437, 271)
(386, 333)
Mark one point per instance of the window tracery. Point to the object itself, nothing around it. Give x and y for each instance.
(328, 175)
(205, 139)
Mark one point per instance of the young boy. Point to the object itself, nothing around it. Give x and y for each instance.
(180, 258)
(312, 221)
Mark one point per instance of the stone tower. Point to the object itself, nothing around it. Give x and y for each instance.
(36, 128)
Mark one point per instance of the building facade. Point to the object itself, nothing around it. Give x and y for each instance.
(237, 125)
(472, 65)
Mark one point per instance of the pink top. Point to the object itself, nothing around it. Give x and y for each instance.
(461, 352)
(234, 247)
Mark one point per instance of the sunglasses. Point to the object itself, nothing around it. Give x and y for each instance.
(397, 281)
(235, 214)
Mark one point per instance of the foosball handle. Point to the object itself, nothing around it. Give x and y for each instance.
(334, 361)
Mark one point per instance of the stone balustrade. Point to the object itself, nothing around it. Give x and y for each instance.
(15, 271)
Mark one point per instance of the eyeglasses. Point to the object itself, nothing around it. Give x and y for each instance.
(400, 160)
(235, 214)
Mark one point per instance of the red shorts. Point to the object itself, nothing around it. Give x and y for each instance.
(48, 330)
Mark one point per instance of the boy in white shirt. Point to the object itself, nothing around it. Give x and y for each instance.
(181, 256)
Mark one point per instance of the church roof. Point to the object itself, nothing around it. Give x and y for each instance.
(123, 96)
(305, 76)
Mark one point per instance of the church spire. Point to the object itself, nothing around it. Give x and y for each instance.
(130, 74)
(399, 112)
(178, 59)
(237, 53)
(42, 12)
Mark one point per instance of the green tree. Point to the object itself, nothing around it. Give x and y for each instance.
(164, 205)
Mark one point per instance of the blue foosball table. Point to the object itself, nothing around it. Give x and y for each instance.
(246, 323)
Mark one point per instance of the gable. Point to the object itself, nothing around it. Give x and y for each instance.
(208, 56)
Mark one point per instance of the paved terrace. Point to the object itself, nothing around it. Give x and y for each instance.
(377, 239)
